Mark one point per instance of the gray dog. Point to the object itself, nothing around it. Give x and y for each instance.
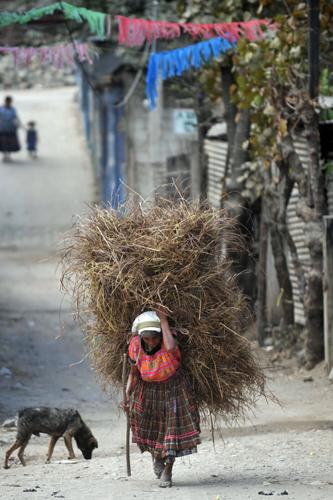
(56, 423)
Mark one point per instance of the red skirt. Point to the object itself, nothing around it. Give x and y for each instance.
(164, 418)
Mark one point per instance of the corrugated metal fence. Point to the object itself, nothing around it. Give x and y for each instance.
(216, 151)
(296, 228)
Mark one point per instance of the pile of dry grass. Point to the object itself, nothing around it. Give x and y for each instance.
(170, 255)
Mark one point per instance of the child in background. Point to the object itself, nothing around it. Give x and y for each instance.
(32, 139)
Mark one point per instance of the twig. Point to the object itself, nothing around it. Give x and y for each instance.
(128, 460)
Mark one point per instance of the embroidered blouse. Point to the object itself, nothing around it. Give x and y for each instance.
(157, 367)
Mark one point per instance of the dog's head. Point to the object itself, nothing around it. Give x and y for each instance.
(86, 442)
(88, 447)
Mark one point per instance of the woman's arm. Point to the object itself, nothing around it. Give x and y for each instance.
(132, 381)
(169, 340)
(17, 121)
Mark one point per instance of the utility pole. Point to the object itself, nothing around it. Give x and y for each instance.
(155, 123)
(313, 47)
(313, 299)
(155, 13)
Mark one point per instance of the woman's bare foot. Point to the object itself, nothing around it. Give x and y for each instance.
(166, 478)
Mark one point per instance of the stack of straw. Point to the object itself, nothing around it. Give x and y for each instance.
(168, 255)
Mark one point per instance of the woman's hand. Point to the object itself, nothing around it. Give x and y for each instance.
(169, 341)
(161, 313)
(125, 404)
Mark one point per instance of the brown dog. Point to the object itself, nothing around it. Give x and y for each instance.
(56, 423)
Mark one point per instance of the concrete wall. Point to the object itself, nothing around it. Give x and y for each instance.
(155, 152)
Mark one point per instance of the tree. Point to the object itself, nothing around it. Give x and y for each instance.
(267, 80)
(232, 77)
(281, 104)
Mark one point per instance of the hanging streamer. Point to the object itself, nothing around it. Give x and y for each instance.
(95, 20)
(134, 32)
(60, 55)
(174, 62)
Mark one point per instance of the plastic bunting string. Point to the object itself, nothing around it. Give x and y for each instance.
(60, 55)
(134, 32)
(95, 20)
(174, 62)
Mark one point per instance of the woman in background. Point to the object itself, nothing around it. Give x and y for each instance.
(9, 123)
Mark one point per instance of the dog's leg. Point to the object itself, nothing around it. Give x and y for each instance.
(68, 443)
(52, 444)
(14, 447)
(21, 450)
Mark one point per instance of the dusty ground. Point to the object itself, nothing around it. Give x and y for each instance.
(279, 450)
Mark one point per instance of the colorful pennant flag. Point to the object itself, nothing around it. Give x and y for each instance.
(174, 62)
(59, 55)
(134, 32)
(95, 20)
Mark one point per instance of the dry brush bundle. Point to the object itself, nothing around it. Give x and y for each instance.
(117, 265)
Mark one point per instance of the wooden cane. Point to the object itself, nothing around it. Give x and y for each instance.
(128, 461)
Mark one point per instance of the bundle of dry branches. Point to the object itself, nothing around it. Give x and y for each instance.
(169, 255)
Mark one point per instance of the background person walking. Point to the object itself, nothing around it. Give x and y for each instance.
(32, 139)
(9, 123)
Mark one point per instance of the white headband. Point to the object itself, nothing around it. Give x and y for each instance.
(147, 321)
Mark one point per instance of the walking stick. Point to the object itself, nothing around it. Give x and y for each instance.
(128, 461)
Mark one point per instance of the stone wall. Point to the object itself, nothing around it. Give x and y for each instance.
(33, 76)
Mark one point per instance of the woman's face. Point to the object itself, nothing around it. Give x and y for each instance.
(151, 341)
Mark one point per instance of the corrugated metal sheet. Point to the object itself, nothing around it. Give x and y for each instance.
(296, 227)
(216, 152)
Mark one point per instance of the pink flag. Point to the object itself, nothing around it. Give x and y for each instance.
(59, 55)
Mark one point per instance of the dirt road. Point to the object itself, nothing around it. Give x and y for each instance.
(286, 451)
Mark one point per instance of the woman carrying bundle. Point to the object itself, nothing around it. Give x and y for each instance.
(164, 416)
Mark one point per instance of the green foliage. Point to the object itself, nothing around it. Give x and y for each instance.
(272, 78)
(326, 89)
(271, 74)
(266, 72)
(326, 82)
(328, 167)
